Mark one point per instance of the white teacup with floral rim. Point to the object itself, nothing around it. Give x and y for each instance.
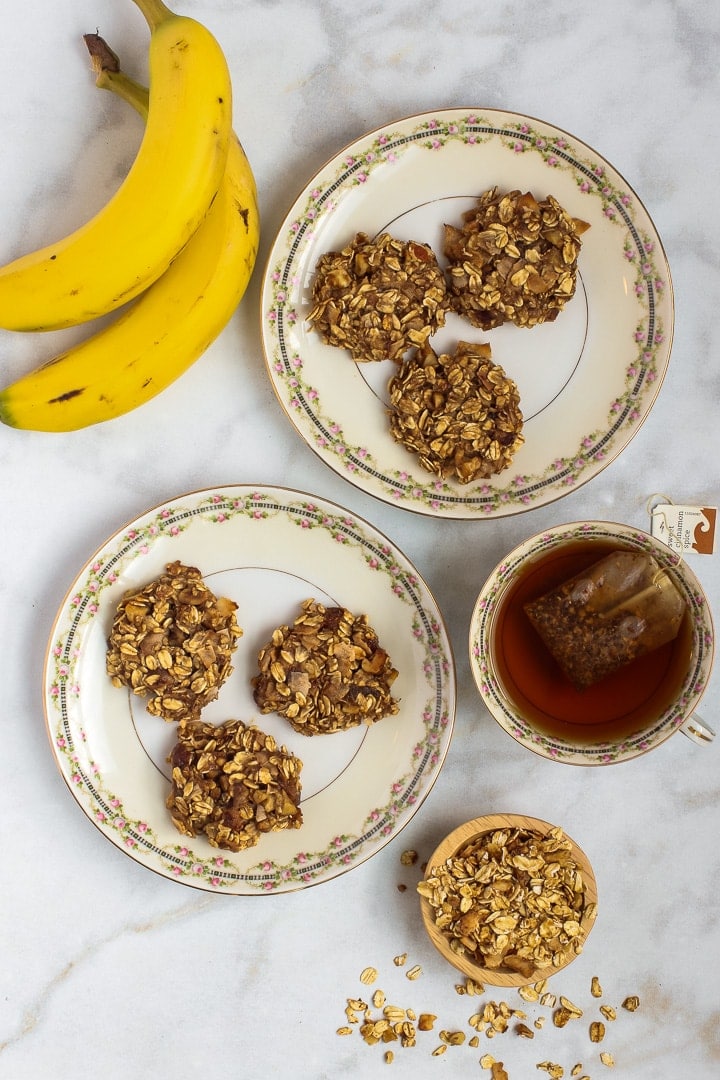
(627, 713)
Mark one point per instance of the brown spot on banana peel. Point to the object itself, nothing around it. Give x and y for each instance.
(67, 396)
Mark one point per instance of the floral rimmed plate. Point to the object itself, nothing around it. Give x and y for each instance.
(268, 549)
(586, 381)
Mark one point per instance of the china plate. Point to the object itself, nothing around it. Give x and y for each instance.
(268, 549)
(586, 381)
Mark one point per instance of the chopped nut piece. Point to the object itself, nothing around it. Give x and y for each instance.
(631, 1003)
(377, 298)
(368, 976)
(409, 857)
(517, 870)
(597, 1031)
(514, 259)
(555, 1071)
(607, 1059)
(453, 1038)
(608, 1012)
(595, 987)
(171, 642)
(325, 673)
(233, 783)
(459, 413)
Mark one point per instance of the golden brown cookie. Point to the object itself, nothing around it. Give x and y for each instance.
(171, 642)
(325, 673)
(232, 783)
(514, 259)
(378, 298)
(459, 413)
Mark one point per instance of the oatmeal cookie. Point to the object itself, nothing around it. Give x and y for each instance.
(459, 413)
(514, 259)
(326, 672)
(378, 298)
(171, 642)
(232, 783)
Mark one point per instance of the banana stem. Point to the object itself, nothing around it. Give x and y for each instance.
(155, 11)
(108, 75)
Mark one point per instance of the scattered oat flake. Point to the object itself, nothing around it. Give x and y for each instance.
(487, 1061)
(389, 1057)
(344, 1031)
(595, 988)
(409, 857)
(498, 1071)
(414, 972)
(474, 1042)
(524, 1031)
(426, 1021)
(398, 961)
(368, 975)
(631, 1003)
(607, 1059)
(441, 1049)
(556, 1072)
(597, 1031)
(576, 1069)
(608, 1012)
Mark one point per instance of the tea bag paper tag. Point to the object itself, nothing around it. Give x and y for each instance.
(684, 528)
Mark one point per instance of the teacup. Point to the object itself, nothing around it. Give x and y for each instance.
(629, 712)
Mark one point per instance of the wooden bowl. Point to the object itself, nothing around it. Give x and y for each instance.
(450, 846)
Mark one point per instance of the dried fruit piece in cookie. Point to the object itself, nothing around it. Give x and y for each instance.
(513, 260)
(232, 783)
(378, 298)
(171, 642)
(325, 673)
(459, 413)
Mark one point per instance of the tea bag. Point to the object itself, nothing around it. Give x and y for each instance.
(618, 609)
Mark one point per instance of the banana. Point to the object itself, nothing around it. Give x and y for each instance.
(159, 205)
(166, 329)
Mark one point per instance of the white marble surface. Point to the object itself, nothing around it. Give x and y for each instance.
(108, 970)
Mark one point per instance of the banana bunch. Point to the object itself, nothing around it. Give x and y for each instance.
(179, 239)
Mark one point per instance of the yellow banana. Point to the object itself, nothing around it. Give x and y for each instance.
(159, 205)
(165, 330)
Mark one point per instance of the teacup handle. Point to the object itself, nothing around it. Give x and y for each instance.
(698, 730)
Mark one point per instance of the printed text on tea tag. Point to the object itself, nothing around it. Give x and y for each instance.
(684, 528)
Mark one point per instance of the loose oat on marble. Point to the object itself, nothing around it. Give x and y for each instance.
(459, 413)
(232, 783)
(513, 259)
(171, 642)
(378, 297)
(326, 672)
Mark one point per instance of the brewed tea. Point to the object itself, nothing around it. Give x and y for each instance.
(618, 706)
